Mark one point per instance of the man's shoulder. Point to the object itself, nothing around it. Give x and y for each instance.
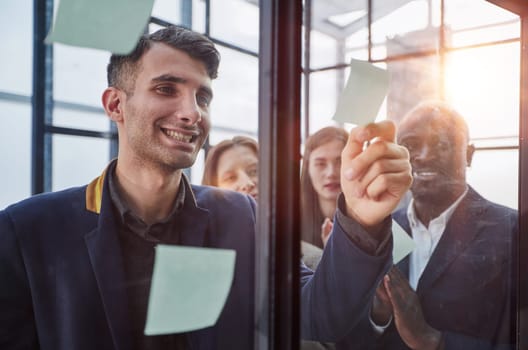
(49, 201)
(490, 208)
(209, 194)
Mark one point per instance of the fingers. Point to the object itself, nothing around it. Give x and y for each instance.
(326, 230)
(376, 151)
(381, 292)
(384, 130)
(400, 293)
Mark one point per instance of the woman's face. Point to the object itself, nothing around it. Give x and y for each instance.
(238, 170)
(324, 166)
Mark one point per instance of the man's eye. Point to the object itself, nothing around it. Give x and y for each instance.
(410, 147)
(165, 90)
(203, 100)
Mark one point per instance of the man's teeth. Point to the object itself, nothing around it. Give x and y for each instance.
(177, 136)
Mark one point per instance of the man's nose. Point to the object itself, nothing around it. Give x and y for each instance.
(188, 110)
(423, 153)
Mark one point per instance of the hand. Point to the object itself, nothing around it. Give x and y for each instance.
(408, 315)
(381, 306)
(375, 179)
(326, 230)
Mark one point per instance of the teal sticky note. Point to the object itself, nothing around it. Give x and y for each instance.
(364, 92)
(112, 25)
(403, 243)
(189, 288)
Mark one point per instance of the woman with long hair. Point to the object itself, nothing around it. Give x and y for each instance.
(321, 183)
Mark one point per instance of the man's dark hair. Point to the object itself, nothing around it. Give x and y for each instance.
(122, 70)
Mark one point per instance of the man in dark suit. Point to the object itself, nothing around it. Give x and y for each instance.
(454, 291)
(76, 265)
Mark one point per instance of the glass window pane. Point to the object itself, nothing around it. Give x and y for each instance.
(404, 27)
(483, 84)
(411, 81)
(79, 74)
(325, 87)
(15, 152)
(199, 16)
(17, 46)
(357, 45)
(168, 10)
(490, 168)
(77, 160)
(325, 50)
(240, 30)
(338, 32)
(477, 21)
(235, 102)
(77, 119)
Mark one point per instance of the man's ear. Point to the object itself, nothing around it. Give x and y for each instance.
(112, 103)
(469, 154)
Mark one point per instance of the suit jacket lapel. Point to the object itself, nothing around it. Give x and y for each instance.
(105, 255)
(457, 236)
(401, 218)
(194, 232)
(195, 222)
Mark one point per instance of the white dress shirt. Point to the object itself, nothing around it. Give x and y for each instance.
(426, 238)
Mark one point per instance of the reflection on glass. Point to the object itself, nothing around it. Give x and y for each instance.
(404, 27)
(463, 145)
(491, 24)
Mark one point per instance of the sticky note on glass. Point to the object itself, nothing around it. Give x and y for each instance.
(189, 288)
(112, 25)
(363, 95)
(403, 243)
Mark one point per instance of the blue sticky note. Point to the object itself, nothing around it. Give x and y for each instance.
(363, 95)
(189, 288)
(403, 243)
(112, 25)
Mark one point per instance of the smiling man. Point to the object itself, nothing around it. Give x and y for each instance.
(454, 290)
(76, 265)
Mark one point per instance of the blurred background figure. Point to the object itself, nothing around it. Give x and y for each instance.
(320, 183)
(233, 164)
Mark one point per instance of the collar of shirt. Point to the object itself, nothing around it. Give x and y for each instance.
(132, 221)
(440, 221)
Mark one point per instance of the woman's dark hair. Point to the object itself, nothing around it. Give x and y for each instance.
(311, 216)
(210, 176)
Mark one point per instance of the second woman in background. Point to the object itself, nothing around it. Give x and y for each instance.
(233, 164)
(321, 183)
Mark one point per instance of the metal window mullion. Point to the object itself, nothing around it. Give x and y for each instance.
(186, 11)
(277, 246)
(42, 99)
(522, 247)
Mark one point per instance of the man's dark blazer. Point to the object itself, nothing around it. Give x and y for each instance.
(465, 290)
(61, 273)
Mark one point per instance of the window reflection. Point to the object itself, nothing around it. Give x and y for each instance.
(471, 63)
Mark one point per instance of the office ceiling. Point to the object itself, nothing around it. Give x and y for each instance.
(341, 18)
